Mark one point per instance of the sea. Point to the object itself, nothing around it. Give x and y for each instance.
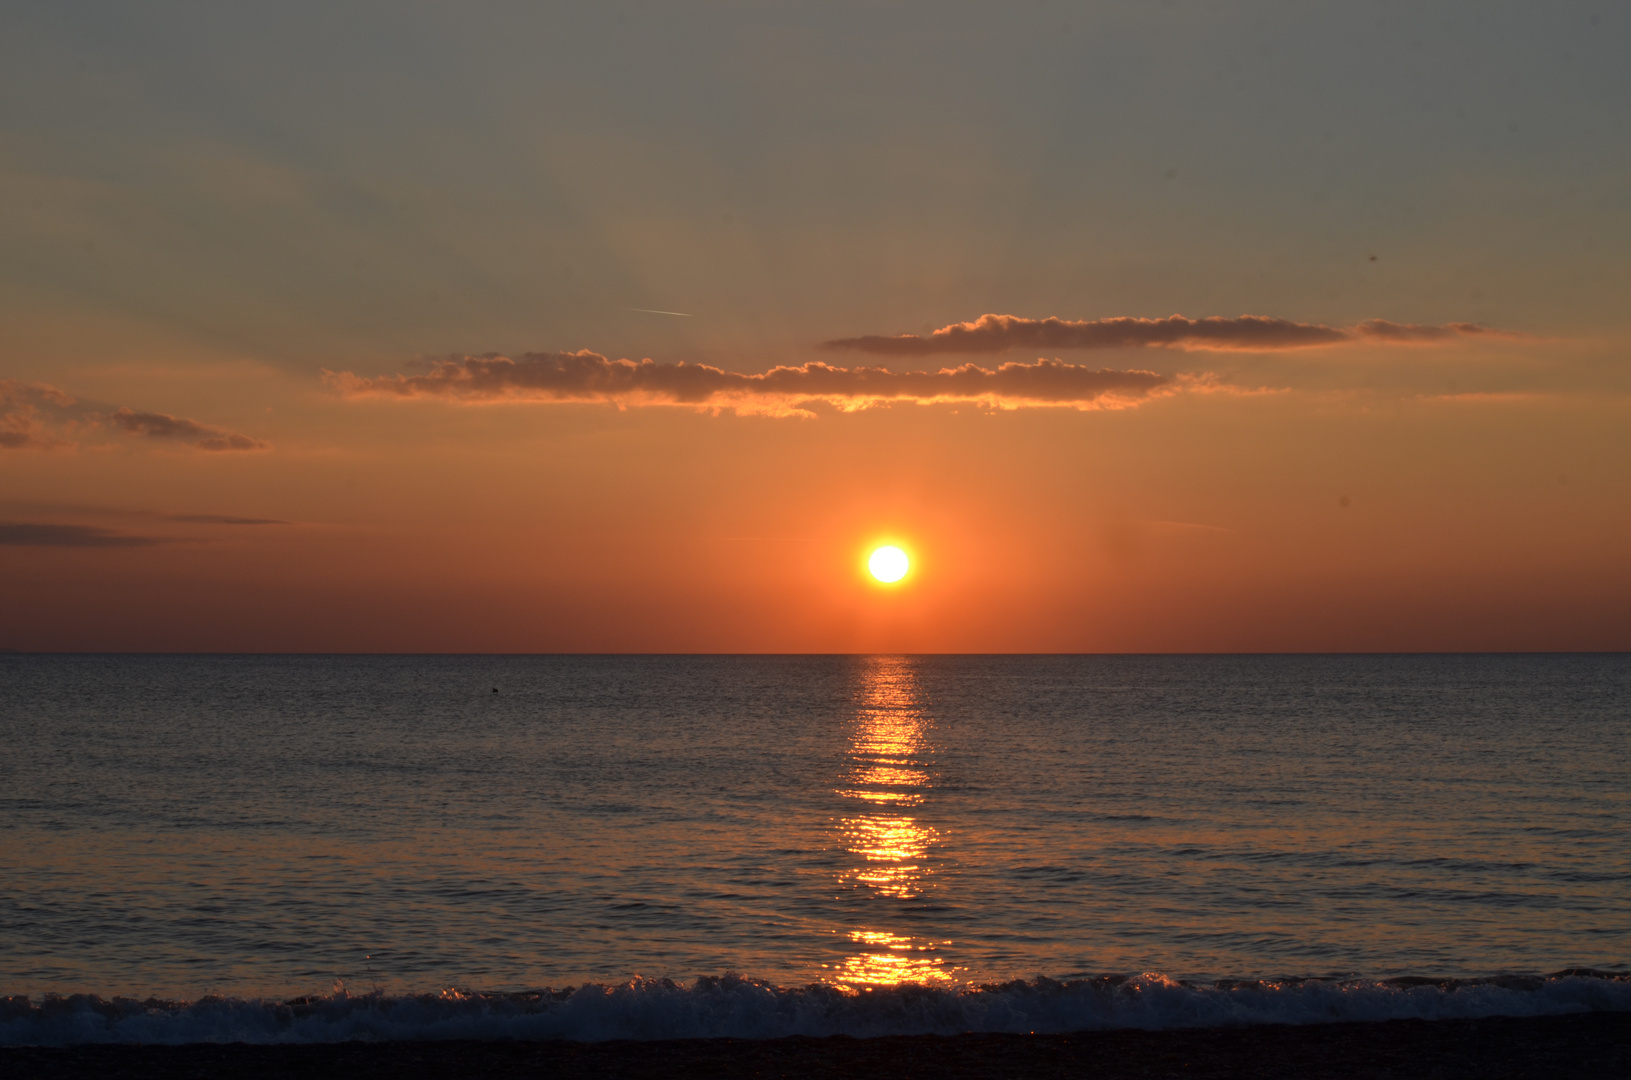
(316, 848)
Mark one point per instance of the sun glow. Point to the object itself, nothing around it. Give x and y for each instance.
(889, 564)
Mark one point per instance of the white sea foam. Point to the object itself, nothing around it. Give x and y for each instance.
(745, 1008)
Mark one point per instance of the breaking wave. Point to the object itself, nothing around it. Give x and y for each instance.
(732, 1006)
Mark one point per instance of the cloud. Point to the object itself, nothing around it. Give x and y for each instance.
(588, 376)
(72, 536)
(1384, 332)
(36, 416)
(25, 412)
(997, 333)
(176, 429)
(221, 519)
(1492, 397)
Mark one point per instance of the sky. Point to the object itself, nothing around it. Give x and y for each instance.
(634, 327)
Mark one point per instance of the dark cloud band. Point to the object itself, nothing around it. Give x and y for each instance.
(177, 429)
(35, 416)
(998, 333)
(589, 376)
(29, 534)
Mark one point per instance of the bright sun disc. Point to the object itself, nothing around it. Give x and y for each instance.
(888, 564)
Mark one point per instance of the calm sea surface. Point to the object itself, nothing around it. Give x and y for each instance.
(269, 825)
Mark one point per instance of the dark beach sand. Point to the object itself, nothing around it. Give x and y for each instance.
(1588, 1045)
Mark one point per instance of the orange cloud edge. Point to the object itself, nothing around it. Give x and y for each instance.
(587, 376)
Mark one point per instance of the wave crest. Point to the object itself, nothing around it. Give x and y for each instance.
(737, 1007)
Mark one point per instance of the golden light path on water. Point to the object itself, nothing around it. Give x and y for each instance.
(890, 774)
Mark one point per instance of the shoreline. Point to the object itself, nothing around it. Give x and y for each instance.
(1597, 1043)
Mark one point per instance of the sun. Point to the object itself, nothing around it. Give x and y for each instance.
(889, 564)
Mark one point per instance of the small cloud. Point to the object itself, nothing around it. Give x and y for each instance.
(176, 429)
(26, 414)
(35, 416)
(1253, 333)
(19, 431)
(221, 519)
(1380, 331)
(70, 536)
(590, 377)
(1490, 397)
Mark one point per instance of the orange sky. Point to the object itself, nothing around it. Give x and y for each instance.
(283, 369)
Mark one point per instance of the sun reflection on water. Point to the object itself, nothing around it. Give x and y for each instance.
(890, 771)
(891, 960)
